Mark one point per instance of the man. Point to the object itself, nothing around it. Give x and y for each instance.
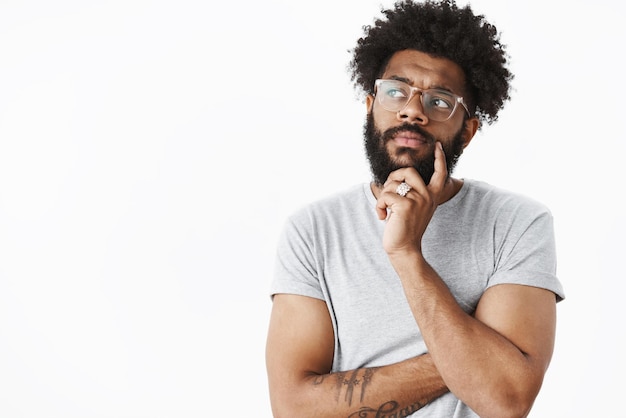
(418, 294)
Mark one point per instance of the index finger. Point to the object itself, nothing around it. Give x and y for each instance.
(440, 176)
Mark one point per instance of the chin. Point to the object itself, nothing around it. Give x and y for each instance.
(407, 157)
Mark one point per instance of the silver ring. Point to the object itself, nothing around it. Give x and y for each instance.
(403, 189)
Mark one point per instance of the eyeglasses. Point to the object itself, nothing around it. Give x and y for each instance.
(438, 105)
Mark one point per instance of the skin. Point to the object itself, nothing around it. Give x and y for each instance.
(493, 360)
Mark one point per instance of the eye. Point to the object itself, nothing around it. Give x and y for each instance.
(396, 93)
(440, 101)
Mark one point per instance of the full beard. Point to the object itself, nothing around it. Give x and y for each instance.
(382, 164)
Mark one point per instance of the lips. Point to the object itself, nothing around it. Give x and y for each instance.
(409, 139)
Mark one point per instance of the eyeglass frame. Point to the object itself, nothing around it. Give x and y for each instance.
(413, 90)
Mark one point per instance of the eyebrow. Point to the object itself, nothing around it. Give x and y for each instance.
(410, 82)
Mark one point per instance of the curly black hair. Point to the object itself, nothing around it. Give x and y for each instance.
(440, 29)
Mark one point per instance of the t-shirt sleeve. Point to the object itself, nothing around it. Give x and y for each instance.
(296, 267)
(527, 253)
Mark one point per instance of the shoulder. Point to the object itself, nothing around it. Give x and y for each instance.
(490, 198)
(311, 228)
(334, 206)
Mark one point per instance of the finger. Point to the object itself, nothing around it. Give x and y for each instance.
(387, 198)
(381, 209)
(383, 203)
(440, 176)
(408, 175)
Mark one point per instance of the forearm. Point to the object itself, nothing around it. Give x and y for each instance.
(399, 389)
(495, 373)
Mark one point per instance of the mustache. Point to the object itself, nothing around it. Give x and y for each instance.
(407, 127)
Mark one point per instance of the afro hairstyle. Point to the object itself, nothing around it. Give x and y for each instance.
(443, 30)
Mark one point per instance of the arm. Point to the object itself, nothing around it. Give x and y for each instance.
(299, 355)
(494, 361)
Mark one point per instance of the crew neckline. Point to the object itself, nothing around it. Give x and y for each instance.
(453, 201)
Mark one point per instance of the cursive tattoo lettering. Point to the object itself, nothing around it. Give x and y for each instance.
(389, 409)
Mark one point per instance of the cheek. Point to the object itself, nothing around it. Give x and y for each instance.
(383, 119)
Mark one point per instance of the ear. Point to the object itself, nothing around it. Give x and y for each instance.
(369, 103)
(469, 130)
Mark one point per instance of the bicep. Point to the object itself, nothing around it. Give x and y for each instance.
(300, 340)
(524, 315)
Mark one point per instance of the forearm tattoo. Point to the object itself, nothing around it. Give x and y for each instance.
(346, 384)
(389, 409)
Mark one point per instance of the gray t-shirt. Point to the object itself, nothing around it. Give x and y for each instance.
(483, 236)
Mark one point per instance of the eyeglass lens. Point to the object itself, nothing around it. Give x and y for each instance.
(394, 95)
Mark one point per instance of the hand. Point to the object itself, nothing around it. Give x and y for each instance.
(408, 216)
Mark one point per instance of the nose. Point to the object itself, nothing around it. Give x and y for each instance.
(413, 111)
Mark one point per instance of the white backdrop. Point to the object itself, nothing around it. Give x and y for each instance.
(148, 162)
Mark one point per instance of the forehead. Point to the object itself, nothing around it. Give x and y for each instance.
(425, 71)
